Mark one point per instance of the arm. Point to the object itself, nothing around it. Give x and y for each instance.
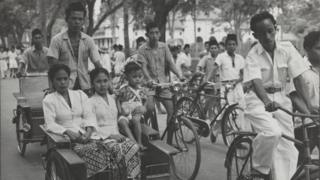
(260, 91)
(53, 52)
(213, 72)
(298, 103)
(172, 66)
(94, 54)
(49, 112)
(145, 67)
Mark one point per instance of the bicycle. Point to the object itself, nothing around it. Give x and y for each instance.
(178, 130)
(239, 161)
(228, 114)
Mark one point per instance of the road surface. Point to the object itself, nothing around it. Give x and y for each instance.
(15, 167)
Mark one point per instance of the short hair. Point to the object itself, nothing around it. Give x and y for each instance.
(75, 6)
(140, 39)
(212, 38)
(131, 67)
(151, 25)
(115, 46)
(221, 43)
(57, 67)
(96, 71)
(186, 46)
(231, 37)
(120, 47)
(260, 17)
(36, 32)
(207, 42)
(213, 42)
(311, 39)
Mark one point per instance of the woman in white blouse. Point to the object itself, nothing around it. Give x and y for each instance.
(105, 109)
(68, 112)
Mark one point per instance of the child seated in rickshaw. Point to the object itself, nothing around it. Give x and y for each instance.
(70, 113)
(131, 101)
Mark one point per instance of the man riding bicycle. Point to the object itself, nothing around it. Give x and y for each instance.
(156, 64)
(34, 60)
(267, 68)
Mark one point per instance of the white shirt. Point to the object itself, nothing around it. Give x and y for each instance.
(227, 71)
(287, 64)
(59, 116)
(311, 87)
(106, 115)
(183, 59)
(106, 61)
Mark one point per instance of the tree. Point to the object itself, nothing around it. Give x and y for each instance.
(239, 12)
(110, 7)
(126, 27)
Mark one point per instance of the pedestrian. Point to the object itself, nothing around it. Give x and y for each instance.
(34, 60)
(267, 68)
(13, 66)
(3, 63)
(206, 64)
(183, 62)
(74, 48)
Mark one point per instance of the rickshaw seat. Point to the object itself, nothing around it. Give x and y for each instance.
(164, 147)
(56, 140)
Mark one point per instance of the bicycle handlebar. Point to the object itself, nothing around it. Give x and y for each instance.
(312, 116)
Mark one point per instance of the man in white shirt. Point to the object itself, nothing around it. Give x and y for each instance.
(230, 65)
(267, 68)
(310, 84)
(183, 62)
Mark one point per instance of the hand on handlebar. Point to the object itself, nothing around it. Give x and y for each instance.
(272, 106)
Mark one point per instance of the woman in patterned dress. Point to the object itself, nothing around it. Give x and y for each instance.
(69, 112)
(105, 109)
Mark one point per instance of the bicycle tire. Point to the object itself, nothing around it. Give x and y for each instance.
(230, 125)
(192, 109)
(186, 151)
(242, 144)
(22, 146)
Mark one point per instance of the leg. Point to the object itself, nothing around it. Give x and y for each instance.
(269, 134)
(137, 129)
(124, 128)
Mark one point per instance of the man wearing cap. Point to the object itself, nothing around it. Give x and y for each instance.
(34, 59)
(269, 68)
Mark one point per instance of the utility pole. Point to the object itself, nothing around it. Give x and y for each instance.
(43, 19)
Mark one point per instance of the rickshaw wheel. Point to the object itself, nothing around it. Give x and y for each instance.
(20, 134)
(56, 168)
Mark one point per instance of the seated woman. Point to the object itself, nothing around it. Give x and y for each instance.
(105, 109)
(68, 112)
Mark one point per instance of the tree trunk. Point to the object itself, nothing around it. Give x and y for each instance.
(52, 20)
(43, 19)
(3, 40)
(173, 20)
(90, 4)
(126, 27)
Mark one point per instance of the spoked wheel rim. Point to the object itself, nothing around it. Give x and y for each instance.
(232, 124)
(187, 161)
(20, 134)
(186, 107)
(241, 164)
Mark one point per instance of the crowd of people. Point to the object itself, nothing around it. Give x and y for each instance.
(86, 107)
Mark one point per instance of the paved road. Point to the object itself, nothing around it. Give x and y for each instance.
(15, 167)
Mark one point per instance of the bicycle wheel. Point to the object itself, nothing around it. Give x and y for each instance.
(21, 134)
(187, 107)
(314, 172)
(231, 122)
(240, 160)
(187, 161)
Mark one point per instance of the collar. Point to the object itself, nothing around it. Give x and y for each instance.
(160, 45)
(66, 36)
(260, 48)
(33, 48)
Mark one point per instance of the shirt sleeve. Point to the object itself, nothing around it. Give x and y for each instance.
(296, 64)
(89, 118)
(54, 49)
(24, 57)
(94, 53)
(241, 60)
(202, 62)
(218, 60)
(168, 55)
(49, 112)
(251, 69)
